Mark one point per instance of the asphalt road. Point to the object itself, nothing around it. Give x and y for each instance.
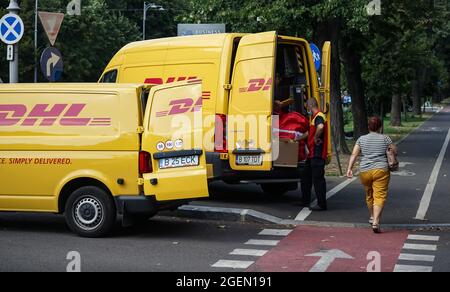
(418, 155)
(36, 242)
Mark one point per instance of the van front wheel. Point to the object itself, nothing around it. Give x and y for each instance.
(90, 212)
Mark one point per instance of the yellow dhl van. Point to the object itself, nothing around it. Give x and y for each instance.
(243, 74)
(94, 150)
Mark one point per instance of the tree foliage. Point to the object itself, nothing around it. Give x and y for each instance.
(402, 52)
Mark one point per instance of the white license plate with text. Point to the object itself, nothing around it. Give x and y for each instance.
(182, 161)
(249, 160)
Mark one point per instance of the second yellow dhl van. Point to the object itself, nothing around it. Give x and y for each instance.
(243, 75)
(93, 151)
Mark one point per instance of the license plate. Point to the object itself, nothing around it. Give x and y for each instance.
(249, 160)
(182, 161)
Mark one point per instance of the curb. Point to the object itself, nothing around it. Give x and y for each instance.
(252, 216)
(227, 214)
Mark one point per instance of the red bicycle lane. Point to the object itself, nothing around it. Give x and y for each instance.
(333, 250)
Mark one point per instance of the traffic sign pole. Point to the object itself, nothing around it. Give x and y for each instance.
(14, 9)
(36, 7)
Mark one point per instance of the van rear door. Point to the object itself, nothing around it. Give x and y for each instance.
(173, 136)
(249, 132)
(325, 90)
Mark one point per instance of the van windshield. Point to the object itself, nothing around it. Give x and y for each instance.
(109, 77)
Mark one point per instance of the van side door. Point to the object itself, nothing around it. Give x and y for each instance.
(325, 90)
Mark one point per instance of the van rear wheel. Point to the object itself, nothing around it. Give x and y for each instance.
(90, 212)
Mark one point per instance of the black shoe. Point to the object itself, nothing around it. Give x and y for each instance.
(317, 208)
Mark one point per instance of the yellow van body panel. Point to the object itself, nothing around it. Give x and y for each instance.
(53, 135)
(325, 99)
(217, 60)
(173, 126)
(250, 125)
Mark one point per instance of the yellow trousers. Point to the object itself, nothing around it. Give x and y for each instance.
(376, 183)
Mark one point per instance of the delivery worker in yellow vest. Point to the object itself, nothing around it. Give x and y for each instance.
(315, 167)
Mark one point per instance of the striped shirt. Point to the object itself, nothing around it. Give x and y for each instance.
(373, 151)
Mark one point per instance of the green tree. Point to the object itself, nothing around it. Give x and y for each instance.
(87, 42)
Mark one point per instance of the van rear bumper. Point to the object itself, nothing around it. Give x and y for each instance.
(144, 204)
(222, 171)
(276, 175)
(136, 204)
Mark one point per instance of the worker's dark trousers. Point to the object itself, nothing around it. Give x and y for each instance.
(314, 174)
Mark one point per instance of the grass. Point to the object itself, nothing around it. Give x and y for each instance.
(411, 123)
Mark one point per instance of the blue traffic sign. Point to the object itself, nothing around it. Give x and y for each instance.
(52, 65)
(317, 56)
(11, 29)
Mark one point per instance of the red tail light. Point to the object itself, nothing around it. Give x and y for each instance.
(220, 134)
(145, 162)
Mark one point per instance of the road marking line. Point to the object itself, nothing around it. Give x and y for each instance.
(249, 252)
(305, 212)
(233, 264)
(420, 246)
(426, 198)
(410, 268)
(276, 232)
(423, 237)
(262, 242)
(416, 257)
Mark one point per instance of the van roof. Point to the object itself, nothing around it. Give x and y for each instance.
(68, 86)
(209, 40)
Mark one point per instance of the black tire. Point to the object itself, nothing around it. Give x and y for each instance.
(276, 189)
(90, 212)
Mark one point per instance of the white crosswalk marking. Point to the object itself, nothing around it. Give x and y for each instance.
(416, 257)
(410, 268)
(262, 242)
(249, 252)
(276, 232)
(233, 264)
(420, 246)
(423, 237)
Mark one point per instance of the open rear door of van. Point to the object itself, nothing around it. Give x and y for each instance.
(251, 103)
(325, 90)
(173, 136)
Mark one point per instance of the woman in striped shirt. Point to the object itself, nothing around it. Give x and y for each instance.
(374, 169)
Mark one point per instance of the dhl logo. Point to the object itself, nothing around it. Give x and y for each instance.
(258, 84)
(45, 115)
(182, 106)
(160, 81)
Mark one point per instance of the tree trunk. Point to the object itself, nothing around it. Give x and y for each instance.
(396, 111)
(417, 90)
(352, 61)
(330, 30)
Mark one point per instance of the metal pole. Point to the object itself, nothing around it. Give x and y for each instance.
(14, 8)
(145, 19)
(36, 41)
(14, 66)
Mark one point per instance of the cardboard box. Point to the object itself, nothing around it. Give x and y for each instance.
(288, 154)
